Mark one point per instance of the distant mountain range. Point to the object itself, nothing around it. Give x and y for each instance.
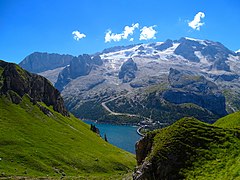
(156, 82)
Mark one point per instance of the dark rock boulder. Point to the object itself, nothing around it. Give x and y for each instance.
(38, 88)
(127, 71)
(38, 62)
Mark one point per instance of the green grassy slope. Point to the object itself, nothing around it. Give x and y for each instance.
(33, 144)
(229, 121)
(190, 149)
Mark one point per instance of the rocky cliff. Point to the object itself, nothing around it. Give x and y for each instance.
(38, 62)
(18, 82)
(79, 66)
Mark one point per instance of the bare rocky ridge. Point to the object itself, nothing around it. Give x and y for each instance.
(39, 62)
(79, 66)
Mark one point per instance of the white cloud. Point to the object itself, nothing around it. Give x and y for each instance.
(112, 37)
(196, 22)
(77, 35)
(128, 30)
(148, 33)
(131, 39)
(238, 51)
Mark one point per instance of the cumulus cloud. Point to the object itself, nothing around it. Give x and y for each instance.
(128, 30)
(77, 35)
(112, 37)
(196, 22)
(148, 33)
(131, 39)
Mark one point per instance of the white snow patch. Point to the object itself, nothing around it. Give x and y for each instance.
(203, 60)
(197, 40)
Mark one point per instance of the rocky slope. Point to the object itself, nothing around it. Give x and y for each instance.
(17, 82)
(128, 72)
(189, 149)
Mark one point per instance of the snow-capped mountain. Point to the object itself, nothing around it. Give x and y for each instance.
(125, 73)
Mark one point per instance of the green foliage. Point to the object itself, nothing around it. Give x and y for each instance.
(229, 121)
(195, 150)
(89, 110)
(33, 144)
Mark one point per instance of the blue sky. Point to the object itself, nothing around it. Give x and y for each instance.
(88, 26)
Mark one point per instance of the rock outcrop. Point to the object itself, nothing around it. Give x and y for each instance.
(38, 88)
(38, 62)
(189, 88)
(127, 71)
(79, 66)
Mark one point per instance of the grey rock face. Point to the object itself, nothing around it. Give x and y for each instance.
(38, 62)
(79, 66)
(187, 49)
(220, 64)
(214, 52)
(167, 44)
(187, 88)
(37, 87)
(127, 71)
(217, 53)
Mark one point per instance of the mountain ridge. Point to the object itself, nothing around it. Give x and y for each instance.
(203, 58)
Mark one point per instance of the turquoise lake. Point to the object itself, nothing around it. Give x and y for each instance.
(123, 137)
